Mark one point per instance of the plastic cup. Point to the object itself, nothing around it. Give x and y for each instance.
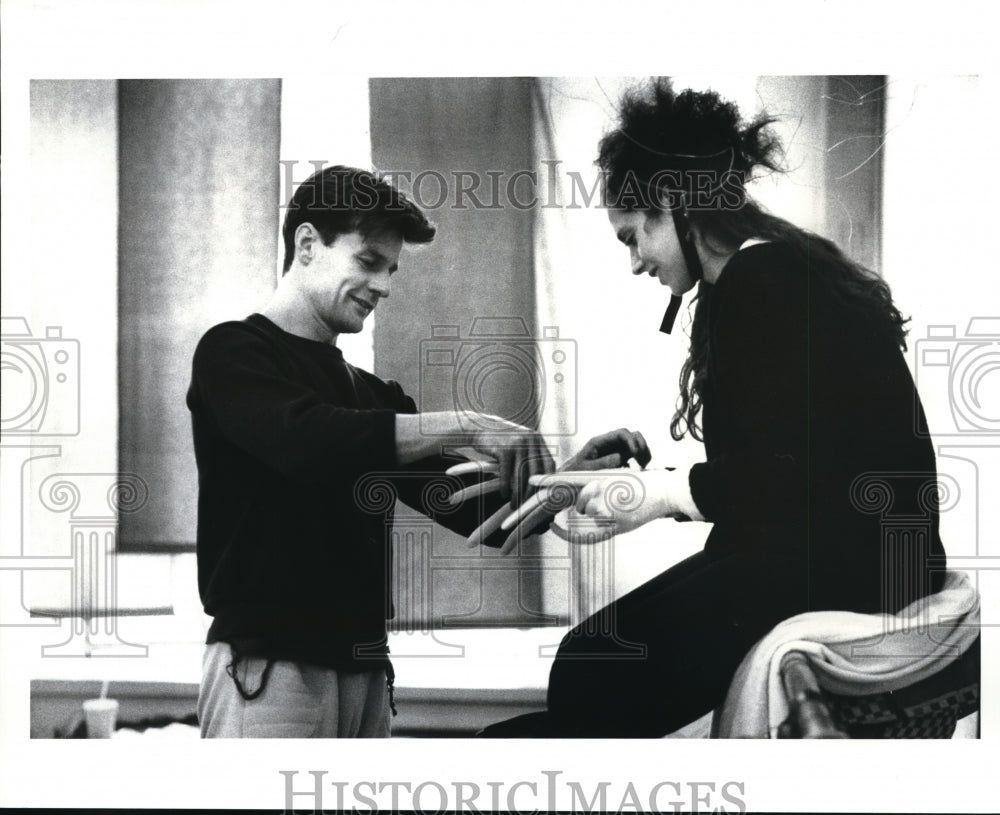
(101, 715)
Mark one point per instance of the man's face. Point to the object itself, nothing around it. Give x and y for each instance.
(345, 280)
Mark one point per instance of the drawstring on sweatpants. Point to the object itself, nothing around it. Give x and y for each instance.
(390, 682)
(232, 667)
(231, 670)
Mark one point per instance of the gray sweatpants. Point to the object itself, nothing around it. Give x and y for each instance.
(299, 700)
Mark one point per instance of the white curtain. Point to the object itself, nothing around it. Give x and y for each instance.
(626, 369)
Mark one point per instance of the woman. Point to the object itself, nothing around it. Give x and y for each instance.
(795, 381)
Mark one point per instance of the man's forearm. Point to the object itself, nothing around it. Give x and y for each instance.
(419, 435)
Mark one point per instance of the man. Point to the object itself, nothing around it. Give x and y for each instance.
(292, 569)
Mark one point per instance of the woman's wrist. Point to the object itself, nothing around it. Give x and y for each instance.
(676, 499)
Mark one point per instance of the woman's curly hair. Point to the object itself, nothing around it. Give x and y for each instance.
(664, 137)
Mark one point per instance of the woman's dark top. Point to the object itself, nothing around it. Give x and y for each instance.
(810, 424)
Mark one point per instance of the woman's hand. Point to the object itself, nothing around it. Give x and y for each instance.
(632, 499)
(611, 449)
(606, 451)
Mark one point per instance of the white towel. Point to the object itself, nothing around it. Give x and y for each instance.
(852, 655)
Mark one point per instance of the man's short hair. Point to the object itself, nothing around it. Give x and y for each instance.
(338, 200)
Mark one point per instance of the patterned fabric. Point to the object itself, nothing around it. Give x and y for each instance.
(928, 709)
(882, 717)
(860, 656)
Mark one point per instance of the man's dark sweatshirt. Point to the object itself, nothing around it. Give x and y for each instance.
(293, 538)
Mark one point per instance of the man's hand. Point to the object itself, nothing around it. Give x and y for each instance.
(514, 453)
(519, 453)
(609, 450)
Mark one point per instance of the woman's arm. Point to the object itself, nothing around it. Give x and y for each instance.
(759, 373)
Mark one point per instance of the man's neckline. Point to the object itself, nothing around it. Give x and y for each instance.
(307, 341)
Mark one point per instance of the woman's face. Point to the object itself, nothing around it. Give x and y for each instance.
(653, 245)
